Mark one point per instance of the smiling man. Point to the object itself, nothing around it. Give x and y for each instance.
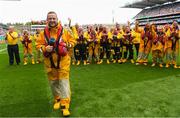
(12, 39)
(55, 42)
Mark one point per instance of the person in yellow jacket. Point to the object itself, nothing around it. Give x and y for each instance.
(109, 49)
(124, 42)
(146, 43)
(136, 35)
(91, 36)
(115, 45)
(38, 52)
(97, 44)
(12, 39)
(172, 44)
(129, 45)
(73, 52)
(175, 43)
(141, 47)
(105, 43)
(81, 49)
(55, 42)
(168, 45)
(27, 47)
(158, 48)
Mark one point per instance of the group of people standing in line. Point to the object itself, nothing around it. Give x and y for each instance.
(12, 39)
(116, 45)
(120, 44)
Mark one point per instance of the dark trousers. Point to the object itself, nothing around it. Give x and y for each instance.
(13, 50)
(105, 48)
(117, 55)
(130, 51)
(137, 48)
(75, 51)
(81, 52)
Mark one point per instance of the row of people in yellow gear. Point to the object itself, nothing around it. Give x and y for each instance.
(163, 42)
(12, 39)
(120, 44)
(97, 43)
(27, 42)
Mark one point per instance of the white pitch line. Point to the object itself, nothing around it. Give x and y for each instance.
(3, 49)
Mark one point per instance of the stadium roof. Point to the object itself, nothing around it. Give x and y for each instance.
(146, 3)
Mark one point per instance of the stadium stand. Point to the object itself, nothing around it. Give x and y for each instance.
(158, 12)
(5, 27)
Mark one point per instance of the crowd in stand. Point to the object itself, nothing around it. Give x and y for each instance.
(160, 10)
(1, 35)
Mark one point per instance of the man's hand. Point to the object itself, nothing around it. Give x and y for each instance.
(49, 48)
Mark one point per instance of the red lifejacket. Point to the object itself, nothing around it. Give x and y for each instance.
(59, 45)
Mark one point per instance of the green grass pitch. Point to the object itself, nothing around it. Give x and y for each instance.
(114, 90)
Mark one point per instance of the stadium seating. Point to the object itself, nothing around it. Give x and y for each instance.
(160, 14)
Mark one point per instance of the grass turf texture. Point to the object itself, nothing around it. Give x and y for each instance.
(97, 90)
